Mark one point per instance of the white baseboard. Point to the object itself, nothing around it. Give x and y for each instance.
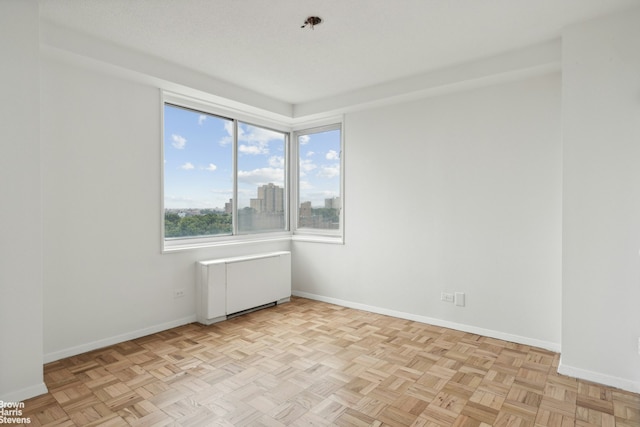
(555, 347)
(94, 345)
(24, 394)
(599, 378)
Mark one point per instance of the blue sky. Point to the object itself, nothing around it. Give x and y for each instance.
(319, 168)
(198, 161)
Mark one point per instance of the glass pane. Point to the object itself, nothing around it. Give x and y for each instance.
(261, 179)
(198, 173)
(319, 180)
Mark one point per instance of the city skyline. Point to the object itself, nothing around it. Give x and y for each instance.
(266, 213)
(267, 192)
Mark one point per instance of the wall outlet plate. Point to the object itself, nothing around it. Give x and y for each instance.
(446, 297)
(459, 299)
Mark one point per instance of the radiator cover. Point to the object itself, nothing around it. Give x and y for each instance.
(230, 285)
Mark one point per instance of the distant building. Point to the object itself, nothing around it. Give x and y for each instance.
(320, 218)
(305, 215)
(270, 199)
(332, 203)
(305, 210)
(267, 210)
(228, 207)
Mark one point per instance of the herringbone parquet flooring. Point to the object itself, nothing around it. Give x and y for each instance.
(316, 364)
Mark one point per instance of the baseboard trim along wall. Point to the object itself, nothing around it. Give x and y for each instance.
(599, 378)
(25, 393)
(563, 369)
(94, 345)
(555, 347)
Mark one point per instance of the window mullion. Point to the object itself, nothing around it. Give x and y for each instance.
(234, 217)
(294, 171)
(287, 180)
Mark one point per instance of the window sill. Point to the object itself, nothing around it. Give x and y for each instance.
(179, 246)
(335, 240)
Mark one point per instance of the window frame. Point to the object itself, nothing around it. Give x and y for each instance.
(174, 244)
(315, 234)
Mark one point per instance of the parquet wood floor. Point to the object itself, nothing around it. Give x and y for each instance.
(316, 364)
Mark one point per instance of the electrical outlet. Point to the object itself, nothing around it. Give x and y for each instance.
(459, 299)
(446, 297)
(178, 293)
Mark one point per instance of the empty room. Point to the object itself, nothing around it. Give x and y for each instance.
(320, 212)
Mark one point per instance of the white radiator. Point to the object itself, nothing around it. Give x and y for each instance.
(232, 285)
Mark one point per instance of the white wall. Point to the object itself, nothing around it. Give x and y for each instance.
(455, 193)
(475, 179)
(105, 279)
(601, 224)
(21, 207)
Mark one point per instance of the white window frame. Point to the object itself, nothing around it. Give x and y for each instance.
(310, 234)
(237, 116)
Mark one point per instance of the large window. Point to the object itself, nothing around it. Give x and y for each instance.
(319, 183)
(222, 177)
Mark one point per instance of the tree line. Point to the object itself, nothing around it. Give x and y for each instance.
(206, 224)
(210, 223)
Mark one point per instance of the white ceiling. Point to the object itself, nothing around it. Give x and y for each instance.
(259, 45)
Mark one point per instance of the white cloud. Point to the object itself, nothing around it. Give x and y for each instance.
(304, 139)
(187, 166)
(258, 135)
(178, 141)
(256, 139)
(262, 176)
(211, 167)
(252, 140)
(310, 153)
(253, 149)
(305, 185)
(332, 155)
(329, 171)
(228, 126)
(202, 118)
(276, 162)
(307, 165)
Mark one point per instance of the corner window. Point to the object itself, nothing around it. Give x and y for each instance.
(319, 181)
(222, 177)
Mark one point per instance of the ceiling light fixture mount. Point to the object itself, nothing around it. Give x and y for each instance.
(312, 21)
